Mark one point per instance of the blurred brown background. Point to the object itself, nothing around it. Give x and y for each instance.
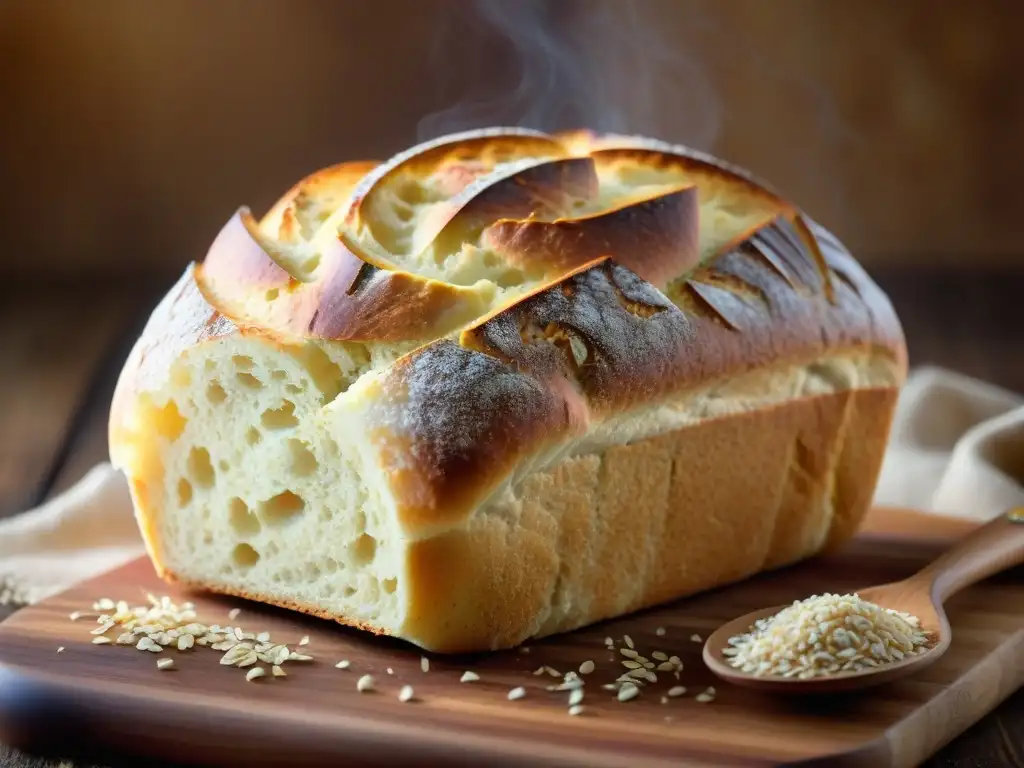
(132, 130)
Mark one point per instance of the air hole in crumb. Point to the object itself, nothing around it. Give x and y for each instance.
(184, 492)
(296, 389)
(363, 549)
(243, 521)
(180, 376)
(248, 380)
(272, 294)
(245, 556)
(312, 571)
(272, 549)
(349, 591)
(281, 508)
(331, 565)
(223, 465)
(304, 463)
(253, 436)
(167, 421)
(280, 418)
(207, 538)
(390, 585)
(490, 259)
(279, 375)
(200, 469)
(243, 362)
(215, 393)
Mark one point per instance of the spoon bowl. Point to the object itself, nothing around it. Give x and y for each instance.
(992, 548)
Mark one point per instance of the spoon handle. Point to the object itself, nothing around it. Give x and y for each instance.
(992, 548)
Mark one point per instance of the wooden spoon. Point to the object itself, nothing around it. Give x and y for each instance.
(993, 547)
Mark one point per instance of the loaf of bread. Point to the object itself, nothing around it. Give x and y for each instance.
(504, 385)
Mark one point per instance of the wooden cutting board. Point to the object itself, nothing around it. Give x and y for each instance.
(113, 697)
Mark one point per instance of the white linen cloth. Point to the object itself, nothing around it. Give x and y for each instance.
(957, 448)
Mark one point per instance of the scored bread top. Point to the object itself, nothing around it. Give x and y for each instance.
(550, 281)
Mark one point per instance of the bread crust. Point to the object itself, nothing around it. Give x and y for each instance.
(510, 512)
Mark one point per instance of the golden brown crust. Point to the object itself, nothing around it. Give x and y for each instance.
(601, 342)
(650, 522)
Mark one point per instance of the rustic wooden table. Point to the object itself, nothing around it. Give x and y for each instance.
(62, 348)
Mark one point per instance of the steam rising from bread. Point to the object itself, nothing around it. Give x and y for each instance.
(596, 63)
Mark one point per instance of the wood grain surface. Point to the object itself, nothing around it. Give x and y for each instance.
(203, 712)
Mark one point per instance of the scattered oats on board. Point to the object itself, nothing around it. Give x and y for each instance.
(278, 671)
(255, 673)
(469, 677)
(823, 635)
(424, 663)
(406, 694)
(628, 691)
(165, 664)
(586, 667)
(365, 684)
(516, 693)
(696, 638)
(576, 709)
(343, 664)
(304, 640)
(575, 697)
(628, 641)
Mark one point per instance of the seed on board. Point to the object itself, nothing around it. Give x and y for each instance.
(659, 656)
(660, 631)
(628, 653)
(540, 670)
(264, 637)
(469, 677)
(609, 642)
(390, 671)
(304, 640)
(101, 640)
(628, 664)
(664, 699)
(576, 696)
(666, 666)
(676, 690)
(552, 671)
(233, 613)
(60, 649)
(293, 656)
(278, 671)
(424, 663)
(628, 641)
(185, 642)
(627, 692)
(343, 664)
(696, 638)
(165, 663)
(254, 673)
(516, 693)
(586, 667)
(704, 698)
(576, 709)
(365, 684)
(524, 649)
(406, 694)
